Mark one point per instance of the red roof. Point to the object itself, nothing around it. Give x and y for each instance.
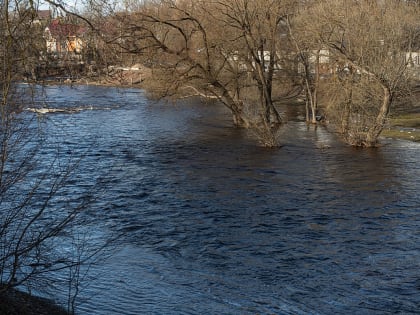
(61, 30)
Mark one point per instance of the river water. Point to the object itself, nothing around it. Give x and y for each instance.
(211, 223)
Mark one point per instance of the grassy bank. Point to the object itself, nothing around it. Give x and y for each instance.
(404, 126)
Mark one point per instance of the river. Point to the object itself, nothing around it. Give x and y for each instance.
(211, 223)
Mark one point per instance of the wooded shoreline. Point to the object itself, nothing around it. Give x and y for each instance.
(403, 123)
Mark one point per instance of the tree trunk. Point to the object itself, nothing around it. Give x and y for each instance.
(272, 116)
(310, 87)
(374, 132)
(275, 118)
(314, 100)
(240, 121)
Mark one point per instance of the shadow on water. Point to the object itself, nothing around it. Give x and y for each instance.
(213, 224)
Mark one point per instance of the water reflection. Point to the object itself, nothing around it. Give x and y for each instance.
(213, 224)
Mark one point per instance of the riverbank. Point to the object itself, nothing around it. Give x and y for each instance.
(404, 120)
(404, 126)
(118, 76)
(13, 302)
(115, 76)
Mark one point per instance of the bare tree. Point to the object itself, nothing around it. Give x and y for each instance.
(309, 53)
(258, 40)
(226, 50)
(257, 27)
(37, 210)
(175, 41)
(365, 41)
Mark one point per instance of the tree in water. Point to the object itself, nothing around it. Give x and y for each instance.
(367, 41)
(213, 49)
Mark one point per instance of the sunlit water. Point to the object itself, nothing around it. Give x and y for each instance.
(214, 224)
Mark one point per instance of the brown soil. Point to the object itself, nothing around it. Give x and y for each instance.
(120, 77)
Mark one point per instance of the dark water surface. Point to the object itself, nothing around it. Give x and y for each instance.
(214, 224)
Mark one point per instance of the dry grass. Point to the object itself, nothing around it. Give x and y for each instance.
(406, 120)
(404, 126)
(413, 135)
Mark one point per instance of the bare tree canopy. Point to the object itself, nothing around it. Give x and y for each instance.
(248, 54)
(365, 43)
(232, 51)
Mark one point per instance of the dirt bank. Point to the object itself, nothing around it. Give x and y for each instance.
(14, 302)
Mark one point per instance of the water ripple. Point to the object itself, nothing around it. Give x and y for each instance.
(212, 224)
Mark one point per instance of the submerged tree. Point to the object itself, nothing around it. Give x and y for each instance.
(366, 45)
(348, 56)
(309, 56)
(258, 40)
(226, 50)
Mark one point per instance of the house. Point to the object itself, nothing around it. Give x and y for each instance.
(412, 60)
(64, 40)
(319, 61)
